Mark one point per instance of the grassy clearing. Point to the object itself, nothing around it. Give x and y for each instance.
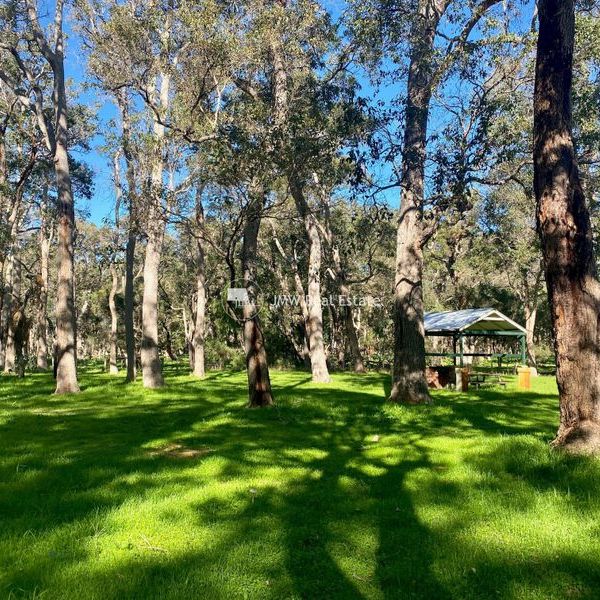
(182, 493)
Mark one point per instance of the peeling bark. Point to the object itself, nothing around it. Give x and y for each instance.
(566, 234)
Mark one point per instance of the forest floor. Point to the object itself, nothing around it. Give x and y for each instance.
(122, 493)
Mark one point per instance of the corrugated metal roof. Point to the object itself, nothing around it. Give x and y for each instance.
(470, 319)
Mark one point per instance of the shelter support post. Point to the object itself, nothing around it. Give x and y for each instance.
(454, 349)
(523, 351)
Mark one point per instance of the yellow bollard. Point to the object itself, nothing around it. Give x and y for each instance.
(524, 378)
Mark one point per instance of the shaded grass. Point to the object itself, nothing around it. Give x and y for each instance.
(182, 493)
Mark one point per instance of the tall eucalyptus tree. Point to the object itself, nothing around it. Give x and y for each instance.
(424, 39)
(565, 231)
(31, 52)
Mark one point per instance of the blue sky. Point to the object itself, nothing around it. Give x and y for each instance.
(100, 205)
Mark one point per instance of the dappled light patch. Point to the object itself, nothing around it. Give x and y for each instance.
(334, 494)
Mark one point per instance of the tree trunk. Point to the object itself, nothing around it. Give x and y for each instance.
(113, 367)
(301, 350)
(132, 227)
(530, 319)
(66, 322)
(346, 309)
(200, 324)
(408, 374)
(129, 305)
(299, 287)
(42, 312)
(21, 339)
(4, 237)
(13, 307)
(352, 337)
(169, 342)
(316, 344)
(2, 321)
(56, 137)
(8, 299)
(257, 366)
(151, 365)
(4, 199)
(66, 373)
(6, 305)
(566, 234)
(529, 296)
(13, 324)
(288, 317)
(112, 350)
(188, 329)
(347, 312)
(313, 315)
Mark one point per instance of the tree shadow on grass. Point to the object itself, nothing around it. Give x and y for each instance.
(66, 468)
(315, 499)
(553, 501)
(345, 509)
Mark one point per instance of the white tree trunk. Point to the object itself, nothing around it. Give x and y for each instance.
(42, 315)
(151, 366)
(316, 343)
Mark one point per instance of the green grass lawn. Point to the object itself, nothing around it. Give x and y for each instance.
(121, 493)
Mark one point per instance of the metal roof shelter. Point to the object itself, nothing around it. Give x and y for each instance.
(484, 322)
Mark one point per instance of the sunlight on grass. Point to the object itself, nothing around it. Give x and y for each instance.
(183, 493)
